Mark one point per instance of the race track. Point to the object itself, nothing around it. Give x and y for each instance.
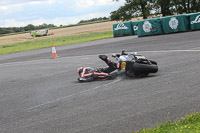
(42, 95)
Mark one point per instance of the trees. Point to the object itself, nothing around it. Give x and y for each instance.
(194, 5)
(123, 13)
(93, 20)
(164, 6)
(132, 8)
(145, 8)
(29, 27)
(185, 6)
(26, 28)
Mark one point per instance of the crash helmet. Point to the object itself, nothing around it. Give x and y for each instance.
(80, 70)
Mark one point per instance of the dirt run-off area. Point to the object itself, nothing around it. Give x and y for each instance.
(98, 27)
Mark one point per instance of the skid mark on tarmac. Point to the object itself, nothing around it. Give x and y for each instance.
(77, 94)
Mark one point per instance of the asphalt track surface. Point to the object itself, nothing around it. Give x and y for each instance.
(42, 95)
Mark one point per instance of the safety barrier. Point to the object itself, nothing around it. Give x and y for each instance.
(135, 26)
(177, 23)
(156, 26)
(150, 27)
(194, 21)
(122, 29)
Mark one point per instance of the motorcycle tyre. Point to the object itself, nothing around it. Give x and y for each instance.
(144, 68)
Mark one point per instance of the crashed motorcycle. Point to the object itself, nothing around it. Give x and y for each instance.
(135, 65)
(130, 64)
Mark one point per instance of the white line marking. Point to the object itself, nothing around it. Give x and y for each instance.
(62, 98)
(87, 56)
(197, 48)
(166, 51)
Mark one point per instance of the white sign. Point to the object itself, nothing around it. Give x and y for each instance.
(173, 23)
(135, 28)
(147, 26)
(121, 26)
(197, 20)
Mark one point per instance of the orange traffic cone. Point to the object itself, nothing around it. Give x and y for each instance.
(54, 54)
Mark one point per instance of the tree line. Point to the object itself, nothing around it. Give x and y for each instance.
(145, 8)
(23, 29)
(94, 19)
(31, 27)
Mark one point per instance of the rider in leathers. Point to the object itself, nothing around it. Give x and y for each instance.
(90, 74)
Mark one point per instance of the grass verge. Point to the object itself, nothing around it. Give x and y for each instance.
(189, 124)
(44, 43)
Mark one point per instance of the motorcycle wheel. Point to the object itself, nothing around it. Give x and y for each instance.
(144, 68)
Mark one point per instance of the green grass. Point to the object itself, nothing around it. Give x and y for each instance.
(189, 124)
(44, 43)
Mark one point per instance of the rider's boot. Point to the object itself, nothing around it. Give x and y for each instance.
(111, 65)
(105, 58)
